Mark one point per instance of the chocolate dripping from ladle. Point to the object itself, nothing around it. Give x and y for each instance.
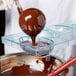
(20, 10)
(31, 21)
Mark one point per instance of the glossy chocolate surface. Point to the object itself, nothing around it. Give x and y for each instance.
(32, 21)
(26, 70)
(40, 67)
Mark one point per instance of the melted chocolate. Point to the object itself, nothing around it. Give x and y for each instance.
(32, 21)
(25, 70)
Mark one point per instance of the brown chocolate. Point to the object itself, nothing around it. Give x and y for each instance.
(32, 21)
(25, 70)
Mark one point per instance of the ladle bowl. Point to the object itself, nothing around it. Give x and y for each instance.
(31, 21)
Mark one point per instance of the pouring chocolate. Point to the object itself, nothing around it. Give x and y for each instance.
(31, 21)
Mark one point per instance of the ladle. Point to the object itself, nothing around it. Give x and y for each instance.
(31, 21)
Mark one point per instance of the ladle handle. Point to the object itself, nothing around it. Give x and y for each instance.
(63, 66)
(20, 10)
